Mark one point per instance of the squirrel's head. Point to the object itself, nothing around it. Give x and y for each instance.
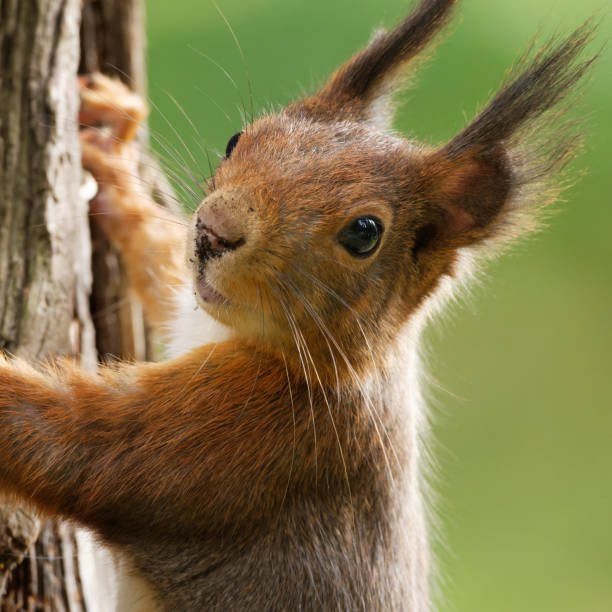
(324, 232)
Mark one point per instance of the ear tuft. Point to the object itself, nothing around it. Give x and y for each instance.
(536, 87)
(493, 180)
(354, 89)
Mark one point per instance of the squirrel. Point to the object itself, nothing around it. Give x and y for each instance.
(280, 466)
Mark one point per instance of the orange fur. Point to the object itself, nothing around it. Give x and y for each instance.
(172, 430)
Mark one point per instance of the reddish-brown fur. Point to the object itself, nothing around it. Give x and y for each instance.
(280, 469)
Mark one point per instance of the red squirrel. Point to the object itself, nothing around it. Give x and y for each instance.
(280, 466)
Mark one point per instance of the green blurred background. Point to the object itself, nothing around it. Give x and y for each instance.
(523, 370)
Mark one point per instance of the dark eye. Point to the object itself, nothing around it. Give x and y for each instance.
(231, 144)
(362, 236)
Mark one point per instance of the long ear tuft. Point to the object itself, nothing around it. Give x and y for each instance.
(357, 85)
(501, 171)
(549, 78)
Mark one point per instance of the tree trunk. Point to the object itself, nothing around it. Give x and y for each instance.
(45, 273)
(46, 293)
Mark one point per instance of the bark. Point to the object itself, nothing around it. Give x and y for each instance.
(45, 272)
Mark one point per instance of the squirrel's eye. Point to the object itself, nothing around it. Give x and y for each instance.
(231, 144)
(362, 236)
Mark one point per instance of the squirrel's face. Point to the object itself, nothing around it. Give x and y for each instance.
(311, 228)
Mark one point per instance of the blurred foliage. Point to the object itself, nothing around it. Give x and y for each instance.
(523, 392)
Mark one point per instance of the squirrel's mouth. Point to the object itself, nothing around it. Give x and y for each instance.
(209, 245)
(206, 291)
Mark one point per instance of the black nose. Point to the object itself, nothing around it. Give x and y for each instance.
(210, 245)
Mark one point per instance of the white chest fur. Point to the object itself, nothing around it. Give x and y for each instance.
(192, 327)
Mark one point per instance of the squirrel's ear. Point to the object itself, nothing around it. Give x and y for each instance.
(465, 195)
(368, 77)
(492, 179)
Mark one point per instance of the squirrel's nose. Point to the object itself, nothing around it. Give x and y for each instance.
(214, 239)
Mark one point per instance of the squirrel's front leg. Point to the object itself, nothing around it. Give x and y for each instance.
(151, 240)
(191, 437)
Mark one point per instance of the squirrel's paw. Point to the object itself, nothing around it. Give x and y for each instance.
(108, 102)
(109, 116)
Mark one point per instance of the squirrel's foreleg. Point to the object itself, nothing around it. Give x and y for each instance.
(151, 239)
(195, 437)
